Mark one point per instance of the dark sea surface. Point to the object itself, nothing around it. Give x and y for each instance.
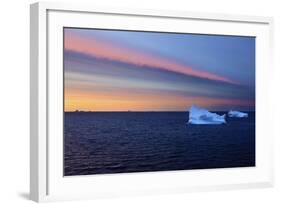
(122, 142)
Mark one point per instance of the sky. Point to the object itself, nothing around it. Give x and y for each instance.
(112, 70)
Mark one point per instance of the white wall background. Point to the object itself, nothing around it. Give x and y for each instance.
(14, 101)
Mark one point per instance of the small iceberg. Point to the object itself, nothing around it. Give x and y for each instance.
(232, 113)
(201, 116)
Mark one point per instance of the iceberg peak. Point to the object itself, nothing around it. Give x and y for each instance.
(202, 116)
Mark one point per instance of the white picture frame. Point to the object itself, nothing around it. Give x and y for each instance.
(47, 182)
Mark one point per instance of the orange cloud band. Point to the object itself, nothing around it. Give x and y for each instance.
(108, 51)
(113, 101)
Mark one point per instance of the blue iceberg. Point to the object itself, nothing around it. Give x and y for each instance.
(201, 116)
(238, 114)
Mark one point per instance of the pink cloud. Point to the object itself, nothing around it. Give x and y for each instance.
(105, 50)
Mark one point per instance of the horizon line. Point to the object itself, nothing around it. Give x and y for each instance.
(77, 111)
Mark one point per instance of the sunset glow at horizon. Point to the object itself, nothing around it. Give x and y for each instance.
(107, 70)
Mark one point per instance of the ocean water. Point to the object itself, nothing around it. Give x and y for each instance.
(123, 142)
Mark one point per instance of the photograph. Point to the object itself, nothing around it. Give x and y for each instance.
(146, 101)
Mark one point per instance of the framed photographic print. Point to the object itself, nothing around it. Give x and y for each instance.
(128, 102)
